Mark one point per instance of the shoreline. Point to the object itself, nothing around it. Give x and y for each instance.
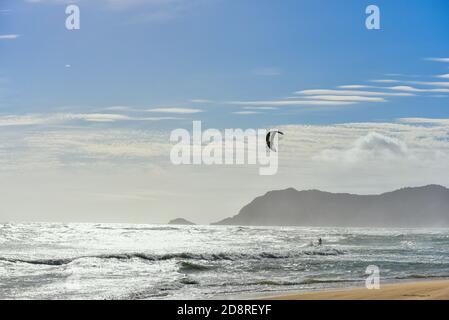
(416, 290)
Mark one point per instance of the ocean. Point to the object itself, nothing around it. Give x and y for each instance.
(124, 261)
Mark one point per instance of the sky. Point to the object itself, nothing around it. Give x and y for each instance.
(86, 115)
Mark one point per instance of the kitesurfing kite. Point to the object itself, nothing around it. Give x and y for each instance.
(270, 139)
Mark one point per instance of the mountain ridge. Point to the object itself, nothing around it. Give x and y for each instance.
(426, 206)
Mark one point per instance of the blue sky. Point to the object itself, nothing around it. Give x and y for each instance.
(149, 54)
(85, 114)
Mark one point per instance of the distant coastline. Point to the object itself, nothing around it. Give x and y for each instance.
(181, 222)
(426, 206)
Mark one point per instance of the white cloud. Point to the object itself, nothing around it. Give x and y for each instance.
(440, 122)
(97, 145)
(351, 157)
(352, 93)
(246, 112)
(175, 110)
(344, 95)
(443, 76)
(395, 153)
(291, 103)
(201, 101)
(120, 108)
(413, 89)
(100, 117)
(410, 141)
(260, 108)
(25, 120)
(347, 98)
(355, 86)
(93, 117)
(430, 83)
(371, 146)
(438, 59)
(9, 36)
(57, 118)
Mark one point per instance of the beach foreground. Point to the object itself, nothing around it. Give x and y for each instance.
(425, 290)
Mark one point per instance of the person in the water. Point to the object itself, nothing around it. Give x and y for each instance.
(320, 241)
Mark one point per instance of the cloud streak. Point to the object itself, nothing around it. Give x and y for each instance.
(347, 98)
(175, 110)
(430, 83)
(245, 113)
(385, 81)
(9, 36)
(351, 93)
(38, 119)
(281, 103)
(438, 59)
(413, 89)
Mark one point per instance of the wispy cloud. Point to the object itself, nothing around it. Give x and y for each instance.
(425, 121)
(93, 117)
(244, 113)
(347, 98)
(99, 144)
(201, 101)
(413, 89)
(372, 145)
(291, 103)
(430, 83)
(39, 119)
(356, 93)
(119, 108)
(260, 108)
(355, 86)
(9, 36)
(443, 76)
(351, 93)
(175, 110)
(438, 59)
(25, 120)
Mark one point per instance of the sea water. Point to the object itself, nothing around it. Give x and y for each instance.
(121, 261)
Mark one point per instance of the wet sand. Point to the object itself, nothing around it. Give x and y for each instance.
(423, 290)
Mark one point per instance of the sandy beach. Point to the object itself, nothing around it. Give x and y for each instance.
(425, 290)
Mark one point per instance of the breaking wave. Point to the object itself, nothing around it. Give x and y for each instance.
(183, 255)
(185, 267)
